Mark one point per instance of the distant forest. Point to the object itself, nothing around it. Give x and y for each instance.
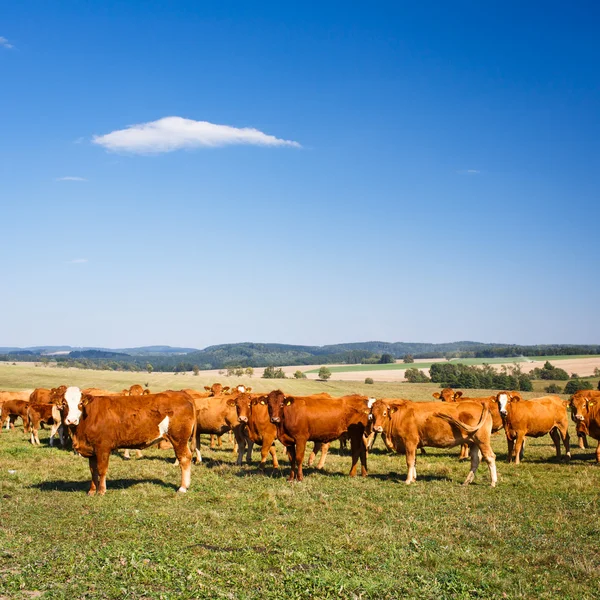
(264, 355)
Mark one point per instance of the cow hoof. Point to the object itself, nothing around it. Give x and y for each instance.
(493, 484)
(126, 457)
(182, 490)
(91, 493)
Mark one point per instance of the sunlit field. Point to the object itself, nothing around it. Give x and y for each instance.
(239, 533)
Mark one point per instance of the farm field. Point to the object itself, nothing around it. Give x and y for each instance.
(242, 534)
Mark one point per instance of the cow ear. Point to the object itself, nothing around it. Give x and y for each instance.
(225, 388)
(207, 388)
(436, 395)
(457, 395)
(289, 401)
(392, 410)
(248, 389)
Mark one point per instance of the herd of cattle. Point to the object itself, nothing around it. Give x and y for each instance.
(97, 422)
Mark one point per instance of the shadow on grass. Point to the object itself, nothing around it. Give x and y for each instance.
(84, 486)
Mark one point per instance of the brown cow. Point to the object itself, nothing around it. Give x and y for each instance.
(215, 415)
(440, 425)
(101, 424)
(11, 410)
(253, 410)
(533, 418)
(48, 414)
(449, 395)
(303, 418)
(585, 412)
(125, 392)
(23, 395)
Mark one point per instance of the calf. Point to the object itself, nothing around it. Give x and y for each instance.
(11, 410)
(100, 424)
(585, 412)
(533, 418)
(217, 415)
(48, 414)
(300, 419)
(409, 424)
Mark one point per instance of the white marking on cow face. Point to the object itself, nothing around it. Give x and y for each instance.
(163, 426)
(241, 389)
(503, 401)
(370, 402)
(73, 399)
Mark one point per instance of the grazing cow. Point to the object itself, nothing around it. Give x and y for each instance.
(48, 414)
(409, 424)
(215, 415)
(100, 424)
(11, 410)
(533, 418)
(585, 412)
(449, 395)
(300, 419)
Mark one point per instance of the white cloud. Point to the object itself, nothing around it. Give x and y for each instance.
(469, 172)
(77, 261)
(70, 178)
(174, 133)
(4, 43)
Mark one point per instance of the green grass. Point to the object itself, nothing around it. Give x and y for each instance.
(425, 364)
(241, 534)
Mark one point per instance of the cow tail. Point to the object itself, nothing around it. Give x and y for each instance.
(466, 428)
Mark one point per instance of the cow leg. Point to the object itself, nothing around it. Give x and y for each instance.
(369, 440)
(598, 452)
(564, 434)
(464, 452)
(138, 453)
(94, 471)
(556, 439)
(324, 451)
(53, 431)
(511, 448)
(213, 439)
(317, 446)
(241, 444)
(291, 452)
(522, 452)
(273, 451)
(184, 457)
(126, 455)
(519, 446)
(489, 457)
(411, 463)
(582, 439)
(300, 450)
(249, 451)
(102, 458)
(196, 448)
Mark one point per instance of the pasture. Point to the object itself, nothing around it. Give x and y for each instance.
(239, 533)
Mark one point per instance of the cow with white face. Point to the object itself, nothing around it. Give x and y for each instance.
(533, 418)
(101, 424)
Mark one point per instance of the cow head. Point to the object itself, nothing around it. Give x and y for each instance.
(73, 406)
(381, 414)
(57, 395)
(447, 395)
(276, 401)
(505, 398)
(243, 405)
(580, 406)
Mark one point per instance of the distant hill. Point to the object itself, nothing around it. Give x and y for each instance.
(253, 354)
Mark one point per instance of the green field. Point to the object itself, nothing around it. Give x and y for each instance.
(425, 364)
(242, 534)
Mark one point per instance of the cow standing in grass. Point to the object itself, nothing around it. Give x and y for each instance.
(101, 424)
(409, 425)
(585, 412)
(300, 419)
(533, 418)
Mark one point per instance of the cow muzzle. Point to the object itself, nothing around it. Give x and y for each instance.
(378, 429)
(71, 421)
(243, 419)
(274, 419)
(579, 417)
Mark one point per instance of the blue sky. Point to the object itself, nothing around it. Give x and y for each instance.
(443, 184)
